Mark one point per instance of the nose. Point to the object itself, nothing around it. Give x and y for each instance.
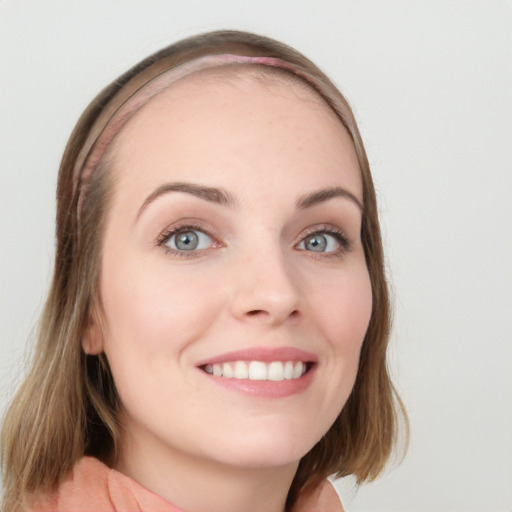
(266, 290)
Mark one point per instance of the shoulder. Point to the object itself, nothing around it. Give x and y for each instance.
(92, 486)
(322, 498)
(85, 487)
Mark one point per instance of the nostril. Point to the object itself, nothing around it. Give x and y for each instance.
(255, 312)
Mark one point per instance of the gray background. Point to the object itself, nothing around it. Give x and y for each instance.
(431, 85)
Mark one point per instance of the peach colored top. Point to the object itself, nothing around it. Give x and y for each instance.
(94, 487)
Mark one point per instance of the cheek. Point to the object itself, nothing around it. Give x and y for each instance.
(158, 311)
(343, 308)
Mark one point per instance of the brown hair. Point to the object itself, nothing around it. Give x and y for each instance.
(67, 405)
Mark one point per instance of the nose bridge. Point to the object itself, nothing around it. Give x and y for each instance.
(266, 287)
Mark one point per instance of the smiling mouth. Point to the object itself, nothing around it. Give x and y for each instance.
(258, 370)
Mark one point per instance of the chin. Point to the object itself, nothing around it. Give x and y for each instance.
(267, 446)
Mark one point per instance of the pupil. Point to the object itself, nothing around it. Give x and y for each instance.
(316, 243)
(187, 241)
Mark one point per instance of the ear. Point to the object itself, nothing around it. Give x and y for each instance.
(92, 340)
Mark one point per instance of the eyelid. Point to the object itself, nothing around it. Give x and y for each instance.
(181, 226)
(341, 237)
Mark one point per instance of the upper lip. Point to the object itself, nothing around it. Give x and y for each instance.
(263, 354)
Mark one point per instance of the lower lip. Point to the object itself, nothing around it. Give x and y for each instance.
(265, 388)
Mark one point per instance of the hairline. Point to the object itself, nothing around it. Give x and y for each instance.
(232, 74)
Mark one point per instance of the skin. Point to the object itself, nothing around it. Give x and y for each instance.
(253, 284)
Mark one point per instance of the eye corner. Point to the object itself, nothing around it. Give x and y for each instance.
(326, 241)
(196, 240)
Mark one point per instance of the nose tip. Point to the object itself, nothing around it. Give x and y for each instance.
(272, 313)
(267, 294)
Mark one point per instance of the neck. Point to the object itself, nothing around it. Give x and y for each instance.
(199, 485)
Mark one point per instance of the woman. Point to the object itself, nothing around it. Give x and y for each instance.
(215, 335)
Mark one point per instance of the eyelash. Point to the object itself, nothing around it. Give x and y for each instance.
(338, 234)
(341, 238)
(182, 228)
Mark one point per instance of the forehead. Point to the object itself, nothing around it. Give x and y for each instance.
(211, 120)
(239, 82)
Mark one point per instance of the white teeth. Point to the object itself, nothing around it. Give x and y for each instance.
(227, 371)
(241, 371)
(297, 370)
(258, 370)
(276, 371)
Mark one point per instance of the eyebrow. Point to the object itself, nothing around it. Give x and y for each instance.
(212, 194)
(314, 198)
(223, 197)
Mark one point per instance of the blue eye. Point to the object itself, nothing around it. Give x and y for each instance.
(188, 240)
(323, 242)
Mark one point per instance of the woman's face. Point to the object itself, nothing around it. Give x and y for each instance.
(233, 280)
